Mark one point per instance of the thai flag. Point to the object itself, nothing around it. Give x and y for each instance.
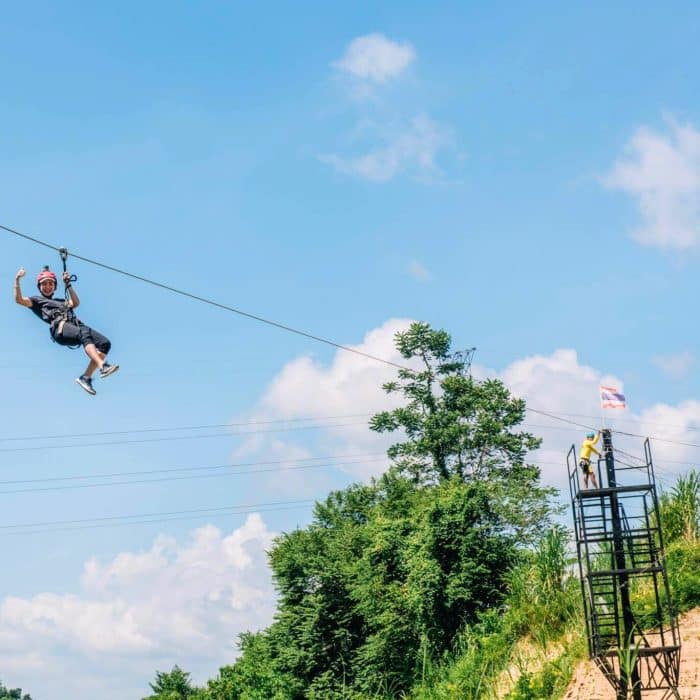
(610, 397)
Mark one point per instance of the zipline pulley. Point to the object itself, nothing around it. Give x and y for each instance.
(63, 252)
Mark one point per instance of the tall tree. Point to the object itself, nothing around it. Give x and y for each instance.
(458, 426)
(455, 425)
(174, 685)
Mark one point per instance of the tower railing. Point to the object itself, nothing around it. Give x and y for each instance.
(631, 625)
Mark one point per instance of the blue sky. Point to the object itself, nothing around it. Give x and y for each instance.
(526, 177)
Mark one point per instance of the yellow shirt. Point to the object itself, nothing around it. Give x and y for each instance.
(587, 447)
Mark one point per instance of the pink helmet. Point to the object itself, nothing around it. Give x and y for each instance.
(45, 274)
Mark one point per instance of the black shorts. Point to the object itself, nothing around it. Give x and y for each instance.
(81, 334)
(585, 466)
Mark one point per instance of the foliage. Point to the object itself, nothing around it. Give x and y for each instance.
(551, 681)
(543, 604)
(455, 425)
(683, 562)
(172, 686)
(254, 677)
(481, 651)
(680, 509)
(460, 427)
(365, 590)
(544, 597)
(12, 694)
(628, 656)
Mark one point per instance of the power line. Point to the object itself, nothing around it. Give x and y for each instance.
(105, 518)
(169, 470)
(210, 302)
(70, 487)
(256, 432)
(103, 443)
(220, 435)
(116, 521)
(210, 426)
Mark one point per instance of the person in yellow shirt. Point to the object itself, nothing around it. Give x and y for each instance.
(587, 448)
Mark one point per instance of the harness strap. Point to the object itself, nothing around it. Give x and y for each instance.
(68, 315)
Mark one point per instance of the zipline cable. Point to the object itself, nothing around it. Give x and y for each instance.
(275, 324)
(210, 302)
(296, 428)
(282, 326)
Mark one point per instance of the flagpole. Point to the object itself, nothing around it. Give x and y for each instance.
(602, 410)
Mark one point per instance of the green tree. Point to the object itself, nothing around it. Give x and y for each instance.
(12, 694)
(174, 685)
(255, 676)
(457, 426)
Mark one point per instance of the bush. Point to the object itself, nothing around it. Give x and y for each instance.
(683, 562)
(482, 651)
(544, 598)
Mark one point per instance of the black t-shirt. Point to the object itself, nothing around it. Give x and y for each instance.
(48, 309)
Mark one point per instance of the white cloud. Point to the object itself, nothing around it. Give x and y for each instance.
(419, 272)
(350, 385)
(375, 58)
(174, 602)
(411, 149)
(675, 365)
(662, 172)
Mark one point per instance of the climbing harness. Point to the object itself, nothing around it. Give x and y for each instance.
(64, 327)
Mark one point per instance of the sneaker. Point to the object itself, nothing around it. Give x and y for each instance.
(108, 369)
(86, 383)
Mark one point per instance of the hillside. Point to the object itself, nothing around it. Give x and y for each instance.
(589, 683)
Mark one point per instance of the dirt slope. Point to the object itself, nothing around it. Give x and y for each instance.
(590, 684)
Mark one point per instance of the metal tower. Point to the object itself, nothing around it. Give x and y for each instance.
(620, 549)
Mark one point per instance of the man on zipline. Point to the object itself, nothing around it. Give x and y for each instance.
(65, 327)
